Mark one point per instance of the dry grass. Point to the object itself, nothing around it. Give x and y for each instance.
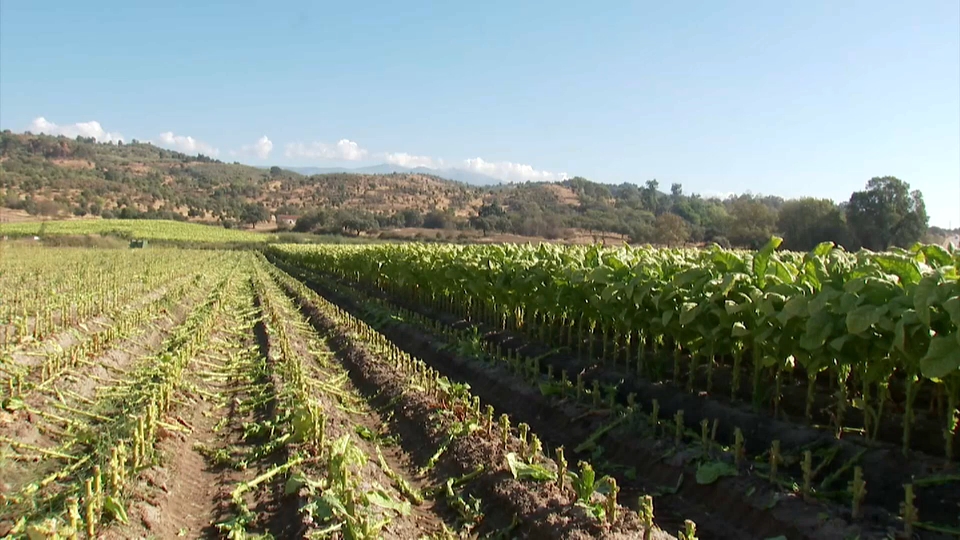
(67, 163)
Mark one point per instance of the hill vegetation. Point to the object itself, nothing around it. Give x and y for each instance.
(57, 176)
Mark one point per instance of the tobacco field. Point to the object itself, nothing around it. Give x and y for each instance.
(495, 391)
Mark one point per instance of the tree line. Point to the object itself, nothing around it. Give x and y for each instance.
(885, 213)
(56, 176)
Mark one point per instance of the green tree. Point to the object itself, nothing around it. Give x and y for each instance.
(411, 217)
(438, 219)
(651, 195)
(887, 214)
(312, 221)
(806, 222)
(358, 222)
(671, 229)
(752, 223)
(254, 213)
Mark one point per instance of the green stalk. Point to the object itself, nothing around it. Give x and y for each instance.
(952, 385)
(757, 368)
(811, 394)
(676, 364)
(693, 371)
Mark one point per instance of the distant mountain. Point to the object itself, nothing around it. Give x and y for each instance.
(468, 177)
(457, 175)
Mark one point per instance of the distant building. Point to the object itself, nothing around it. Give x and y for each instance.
(286, 220)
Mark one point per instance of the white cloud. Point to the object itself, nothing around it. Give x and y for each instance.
(345, 149)
(710, 194)
(511, 172)
(83, 129)
(261, 149)
(187, 144)
(404, 159)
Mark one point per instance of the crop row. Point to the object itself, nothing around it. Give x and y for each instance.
(513, 463)
(113, 439)
(151, 229)
(879, 329)
(43, 291)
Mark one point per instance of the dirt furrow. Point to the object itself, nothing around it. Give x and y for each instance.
(187, 493)
(347, 415)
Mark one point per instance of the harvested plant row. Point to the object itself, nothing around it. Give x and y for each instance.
(116, 440)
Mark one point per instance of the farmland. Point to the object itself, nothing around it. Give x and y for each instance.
(497, 391)
(162, 230)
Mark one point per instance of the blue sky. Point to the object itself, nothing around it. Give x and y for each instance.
(792, 98)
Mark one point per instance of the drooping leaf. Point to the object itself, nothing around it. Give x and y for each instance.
(822, 249)
(739, 330)
(328, 506)
(710, 472)
(952, 307)
(688, 312)
(942, 358)
(115, 508)
(526, 471)
(862, 318)
(380, 498)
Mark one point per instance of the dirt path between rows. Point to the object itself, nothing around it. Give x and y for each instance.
(349, 414)
(186, 494)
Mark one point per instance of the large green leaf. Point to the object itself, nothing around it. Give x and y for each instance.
(822, 249)
(863, 317)
(602, 274)
(924, 295)
(795, 307)
(936, 254)
(818, 330)
(907, 269)
(822, 300)
(952, 307)
(942, 359)
(762, 258)
(688, 312)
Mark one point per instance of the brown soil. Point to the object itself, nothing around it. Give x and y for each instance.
(32, 353)
(76, 390)
(347, 413)
(185, 494)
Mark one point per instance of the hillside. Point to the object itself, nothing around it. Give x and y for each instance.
(65, 175)
(457, 175)
(56, 177)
